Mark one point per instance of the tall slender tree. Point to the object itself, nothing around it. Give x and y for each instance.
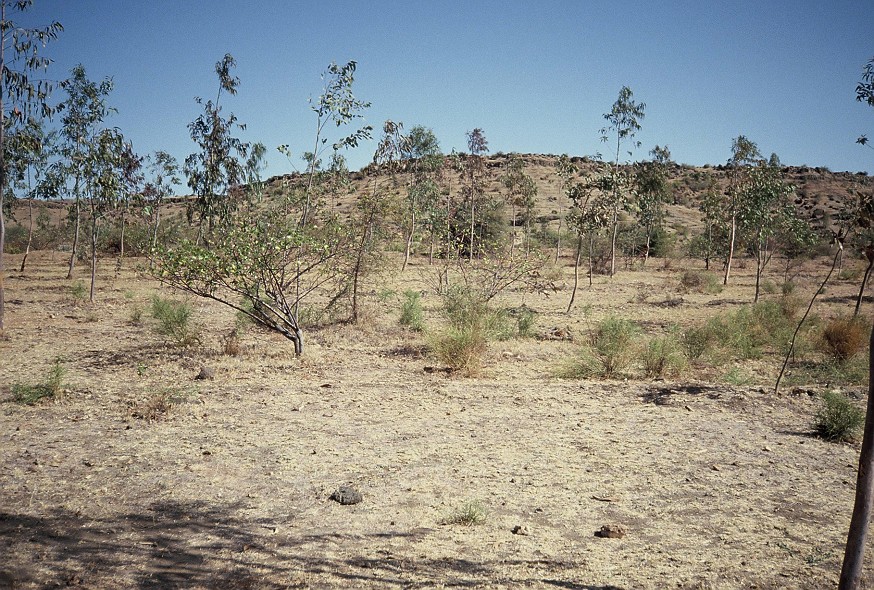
(21, 94)
(744, 154)
(623, 123)
(84, 110)
(474, 167)
(651, 180)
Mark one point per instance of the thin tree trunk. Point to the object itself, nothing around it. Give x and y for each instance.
(851, 572)
(155, 234)
(409, 239)
(576, 272)
(94, 229)
(77, 207)
(613, 243)
(864, 280)
(730, 250)
(29, 234)
(513, 240)
(646, 251)
(591, 253)
(121, 250)
(472, 211)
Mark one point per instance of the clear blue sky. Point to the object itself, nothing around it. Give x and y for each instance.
(536, 76)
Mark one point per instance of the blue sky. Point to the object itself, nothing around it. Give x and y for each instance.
(536, 77)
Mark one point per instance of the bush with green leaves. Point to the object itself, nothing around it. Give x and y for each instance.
(838, 419)
(174, 321)
(608, 352)
(663, 357)
(700, 281)
(412, 314)
(50, 387)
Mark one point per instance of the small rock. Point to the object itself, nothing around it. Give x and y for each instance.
(206, 373)
(714, 467)
(346, 495)
(611, 531)
(521, 529)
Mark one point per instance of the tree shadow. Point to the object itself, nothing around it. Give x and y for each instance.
(198, 545)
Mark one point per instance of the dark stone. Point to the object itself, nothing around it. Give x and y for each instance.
(346, 495)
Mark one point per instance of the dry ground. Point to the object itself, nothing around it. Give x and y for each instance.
(717, 486)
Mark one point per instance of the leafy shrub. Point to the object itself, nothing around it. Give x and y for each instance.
(737, 377)
(838, 418)
(525, 321)
(50, 386)
(460, 348)
(174, 321)
(412, 315)
(78, 290)
(663, 357)
(697, 341)
(844, 337)
(608, 352)
(768, 286)
(470, 513)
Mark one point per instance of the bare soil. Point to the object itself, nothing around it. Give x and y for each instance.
(141, 476)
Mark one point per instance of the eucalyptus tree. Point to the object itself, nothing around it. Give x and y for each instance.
(566, 171)
(623, 123)
(132, 178)
(163, 175)
(218, 164)
(589, 214)
(744, 154)
(653, 191)
(474, 170)
(21, 94)
(85, 110)
(521, 191)
(766, 214)
(421, 151)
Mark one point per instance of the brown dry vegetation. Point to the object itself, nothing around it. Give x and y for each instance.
(141, 476)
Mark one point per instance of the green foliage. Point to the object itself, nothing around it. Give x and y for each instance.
(663, 357)
(737, 377)
(525, 321)
(50, 387)
(78, 290)
(611, 342)
(412, 314)
(470, 513)
(460, 348)
(844, 337)
(174, 321)
(838, 419)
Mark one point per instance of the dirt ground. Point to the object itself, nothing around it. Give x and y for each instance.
(716, 486)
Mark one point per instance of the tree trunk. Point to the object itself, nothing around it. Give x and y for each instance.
(851, 573)
(77, 208)
(472, 211)
(121, 247)
(730, 251)
(591, 253)
(513, 237)
(94, 230)
(865, 278)
(155, 234)
(29, 233)
(613, 243)
(576, 272)
(409, 239)
(646, 251)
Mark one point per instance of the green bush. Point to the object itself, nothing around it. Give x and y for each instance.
(525, 322)
(470, 513)
(51, 386)
(838, 419)
(174, 321)
(663, 357)
(79, 290)
(412, 314)
(460, 348)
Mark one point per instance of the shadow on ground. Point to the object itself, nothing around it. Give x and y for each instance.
(195, 545)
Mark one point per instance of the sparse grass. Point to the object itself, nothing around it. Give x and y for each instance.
(136, 315)
(160, 404)
(525, 322)
(663, 357)
(50, 387)
(79, 290)
(838, 419)
(844, 337)
(737, 377)
(460, 348)
(768, 286)
(174, 321)
(470, 513)
(232, 345)
(412, 314)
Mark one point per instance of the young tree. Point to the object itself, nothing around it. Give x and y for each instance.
(131, 178)
(707, 245)
(218, 165)
(163, 176)
(851, 573)
(474, 187)
(21, 95)
(623, 124)
(651, 179)
(744, 153)
(521, 191)
(84, 112)
(421, 151)
(589, 214)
